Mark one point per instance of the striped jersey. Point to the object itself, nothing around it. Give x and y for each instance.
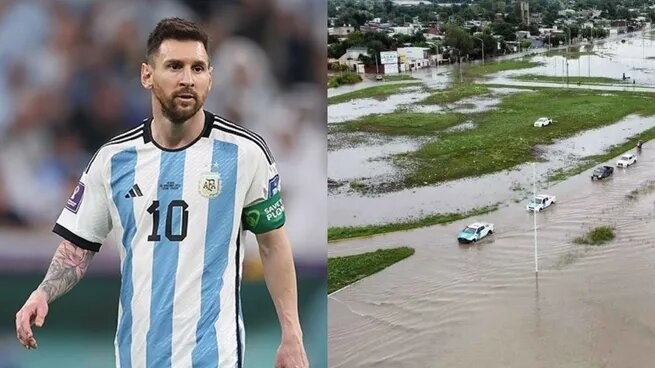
(180, 214)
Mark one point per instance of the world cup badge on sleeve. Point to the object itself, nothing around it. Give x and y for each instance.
(73, 203)
(210, 185)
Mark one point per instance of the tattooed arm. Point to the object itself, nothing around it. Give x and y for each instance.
(66, 269)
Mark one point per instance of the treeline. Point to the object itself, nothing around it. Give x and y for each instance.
(357, 12)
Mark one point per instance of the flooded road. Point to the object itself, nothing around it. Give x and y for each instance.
(348, 208)
(464, 306)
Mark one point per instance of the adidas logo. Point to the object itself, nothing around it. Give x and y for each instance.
(134, 192)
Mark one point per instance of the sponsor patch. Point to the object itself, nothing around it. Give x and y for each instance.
(73, 203)
(273, 186)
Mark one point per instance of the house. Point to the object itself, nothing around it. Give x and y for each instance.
(341, 31)
(409, 30)
(412, 58)
(522, 35)
(351, 56)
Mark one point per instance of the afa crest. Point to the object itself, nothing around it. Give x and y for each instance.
(210, 185)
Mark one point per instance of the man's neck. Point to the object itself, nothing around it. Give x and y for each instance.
(174, 136)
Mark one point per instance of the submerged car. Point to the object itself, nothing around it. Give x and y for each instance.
(602, 172)
(475, 232)
(541, 122)
(627, 160)
(540, 202)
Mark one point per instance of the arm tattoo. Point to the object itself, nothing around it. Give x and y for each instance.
(67, 268)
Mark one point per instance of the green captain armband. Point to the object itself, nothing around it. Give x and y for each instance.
(264, 216)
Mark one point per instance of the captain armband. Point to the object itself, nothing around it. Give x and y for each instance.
(264, 216)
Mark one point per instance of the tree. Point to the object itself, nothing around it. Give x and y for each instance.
(504, 29)
(459, 39)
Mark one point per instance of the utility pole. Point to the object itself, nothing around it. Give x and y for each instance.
(377, 70)
(534, 194)
(567, 73)
(591, 37)
(481, 40)
(548, 43)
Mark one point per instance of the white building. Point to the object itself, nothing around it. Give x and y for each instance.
(409, 30)
(389, 59)
(414, 57)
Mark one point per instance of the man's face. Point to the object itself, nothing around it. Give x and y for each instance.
(180, 78)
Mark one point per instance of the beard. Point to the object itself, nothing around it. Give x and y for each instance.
(173, 109)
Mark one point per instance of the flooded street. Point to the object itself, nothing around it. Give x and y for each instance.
(450, 305)
(348, 208)
(370, 163)
(481, 305)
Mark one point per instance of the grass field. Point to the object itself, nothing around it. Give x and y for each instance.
(479, 70)
(343, 271)
(455, 93)
(380, 91)
(503, 137)
(340, 233)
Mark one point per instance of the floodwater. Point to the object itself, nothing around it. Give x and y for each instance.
(348, 208)
(635, 58)
(350, 110)
(367, 160)
(450, 305)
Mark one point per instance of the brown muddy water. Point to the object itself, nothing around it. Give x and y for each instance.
(482, 306)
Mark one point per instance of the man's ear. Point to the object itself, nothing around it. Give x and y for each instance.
(211, 77)
(146, 75)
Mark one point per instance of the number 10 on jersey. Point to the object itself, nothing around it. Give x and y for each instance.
(183, 211)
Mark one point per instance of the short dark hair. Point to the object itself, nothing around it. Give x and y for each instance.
(175, 29)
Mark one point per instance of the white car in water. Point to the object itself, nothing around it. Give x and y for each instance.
(475, 232)
(542, 122)
(626, 160)
(540, 202)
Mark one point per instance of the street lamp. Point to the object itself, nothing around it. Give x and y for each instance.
(481, 40)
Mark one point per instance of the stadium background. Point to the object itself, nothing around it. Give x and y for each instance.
(69, 74)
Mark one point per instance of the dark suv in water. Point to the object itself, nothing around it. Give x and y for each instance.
(602, 172)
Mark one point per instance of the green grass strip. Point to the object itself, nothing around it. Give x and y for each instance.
(398, 77)
(479, 70)
(343, 271)
(572, 79)
(456, 93)
(596, 236)
(384, 90)
(348, 232)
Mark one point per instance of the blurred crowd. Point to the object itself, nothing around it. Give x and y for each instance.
(69, 81)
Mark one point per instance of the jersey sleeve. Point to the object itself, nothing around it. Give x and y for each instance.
(263, 210)
(85, 220)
